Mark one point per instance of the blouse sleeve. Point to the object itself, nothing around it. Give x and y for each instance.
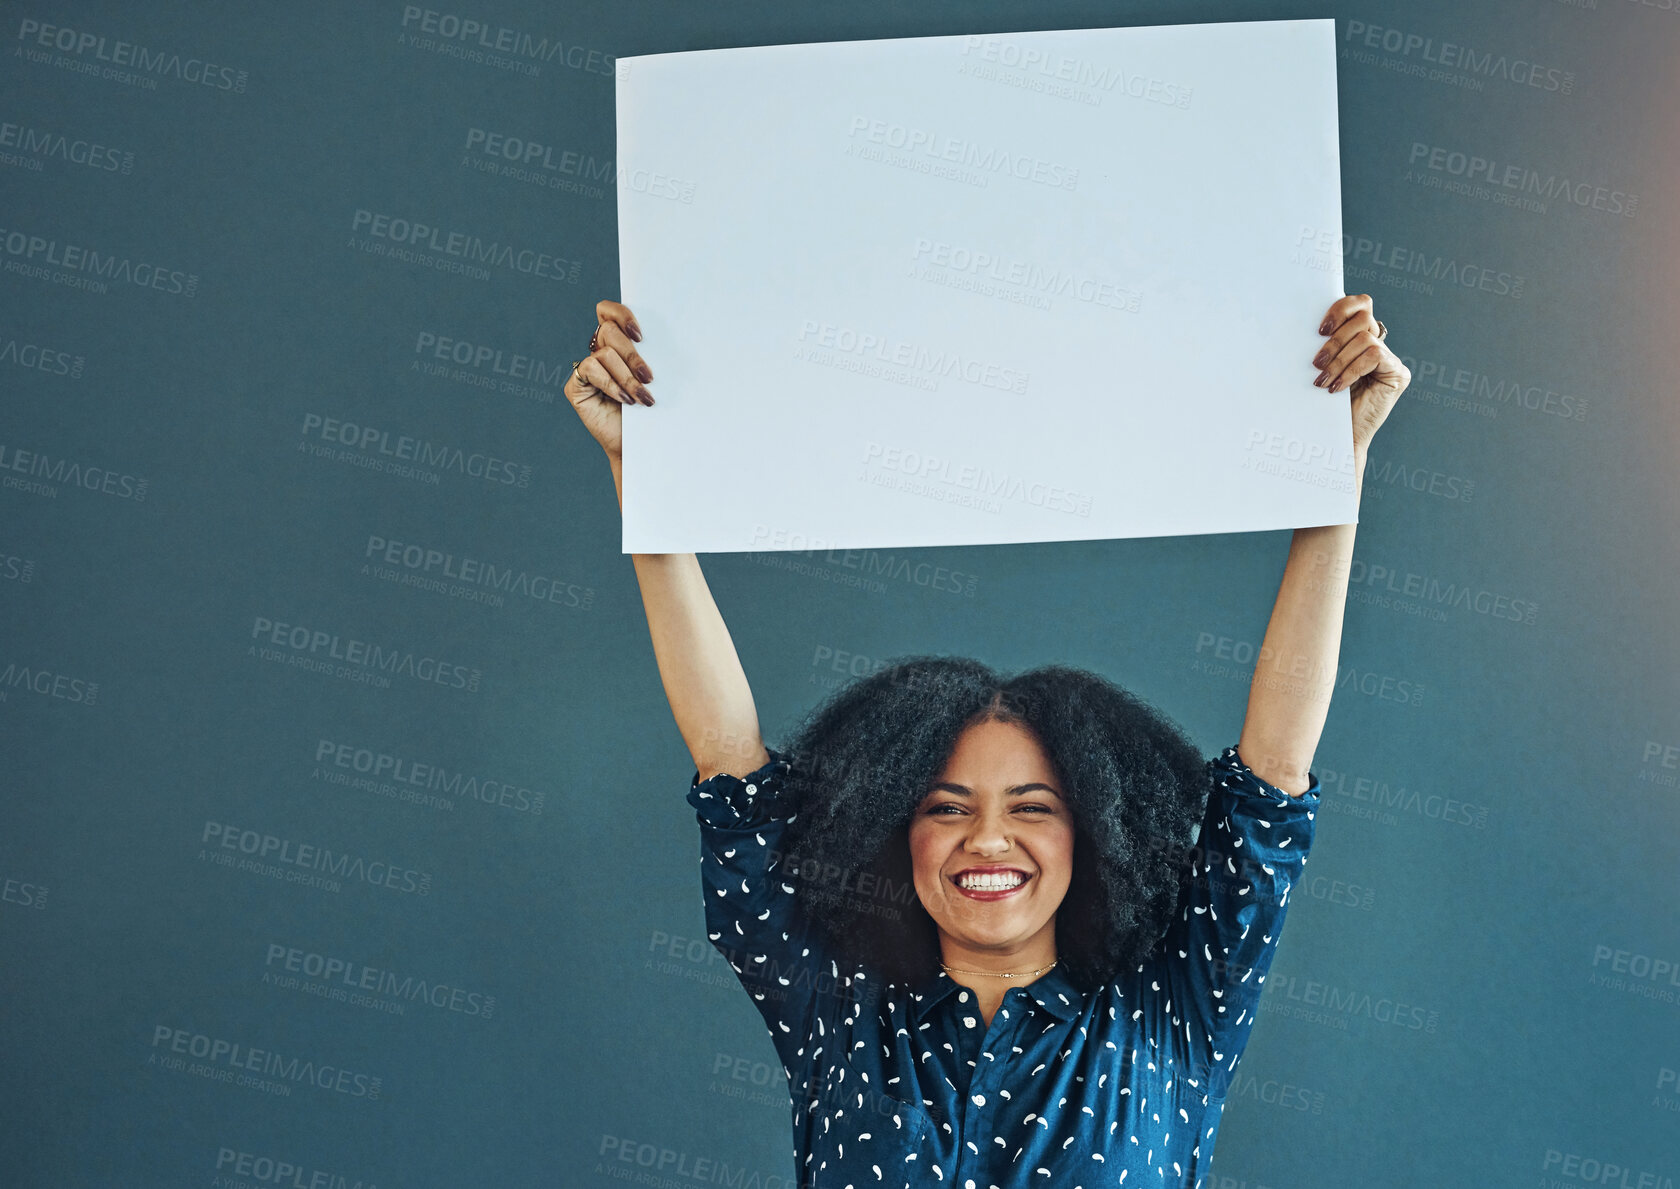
(751, 915)
(1212, 962)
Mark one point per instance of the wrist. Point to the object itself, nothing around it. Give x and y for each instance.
(616, 463)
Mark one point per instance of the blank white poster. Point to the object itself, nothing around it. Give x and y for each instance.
(983, 289)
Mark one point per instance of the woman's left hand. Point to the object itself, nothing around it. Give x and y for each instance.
(1356, 360)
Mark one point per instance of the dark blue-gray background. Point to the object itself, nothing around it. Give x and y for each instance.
(229, 955)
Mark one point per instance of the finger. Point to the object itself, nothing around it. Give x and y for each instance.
(620, 371)
(619, 315)
(1360, 320)
(1342, 309)
(594, 373)
(612, 336)
(1354, 362)
(1337, 367)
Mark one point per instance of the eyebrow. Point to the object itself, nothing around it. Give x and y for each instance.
(1013, 790)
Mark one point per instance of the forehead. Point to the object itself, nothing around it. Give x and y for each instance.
(992, 756)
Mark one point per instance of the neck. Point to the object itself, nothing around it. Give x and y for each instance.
(982, 968)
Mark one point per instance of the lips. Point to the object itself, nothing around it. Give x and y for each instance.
(996, 887)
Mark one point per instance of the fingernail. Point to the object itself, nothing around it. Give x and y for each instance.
(635, 331)
(1324, 327)
(643, 372)
(1319, 383)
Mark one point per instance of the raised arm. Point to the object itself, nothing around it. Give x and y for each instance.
(702, 674)
(1295, 675)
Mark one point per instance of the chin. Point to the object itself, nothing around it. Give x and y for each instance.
(999, 937)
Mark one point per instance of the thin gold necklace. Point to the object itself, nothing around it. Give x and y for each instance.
(995, 973)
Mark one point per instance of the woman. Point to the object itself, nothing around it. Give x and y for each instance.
(967, 906)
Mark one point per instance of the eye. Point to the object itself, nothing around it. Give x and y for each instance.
(1036, 808)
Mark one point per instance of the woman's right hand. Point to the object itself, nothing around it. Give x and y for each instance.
(611, 376)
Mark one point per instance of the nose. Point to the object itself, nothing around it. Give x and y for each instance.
(987, 838)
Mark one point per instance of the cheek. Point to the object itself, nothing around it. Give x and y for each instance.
(1060, 849)
(925, 859)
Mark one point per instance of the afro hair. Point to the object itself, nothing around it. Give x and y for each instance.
(864, 759)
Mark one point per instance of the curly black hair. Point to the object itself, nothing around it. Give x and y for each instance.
(863, 760)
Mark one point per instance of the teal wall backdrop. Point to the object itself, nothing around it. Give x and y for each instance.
(322, 868)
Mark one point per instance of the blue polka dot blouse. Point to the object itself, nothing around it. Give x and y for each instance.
(907, 1086)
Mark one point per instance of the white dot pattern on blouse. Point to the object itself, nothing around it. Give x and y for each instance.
(907, 1086)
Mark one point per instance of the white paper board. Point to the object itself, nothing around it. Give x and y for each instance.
(983, 289)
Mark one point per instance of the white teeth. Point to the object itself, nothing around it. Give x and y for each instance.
(992, 883)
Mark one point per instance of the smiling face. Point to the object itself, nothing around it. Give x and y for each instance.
(991, 847)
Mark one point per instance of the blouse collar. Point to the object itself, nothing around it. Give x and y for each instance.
(1053, 991)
